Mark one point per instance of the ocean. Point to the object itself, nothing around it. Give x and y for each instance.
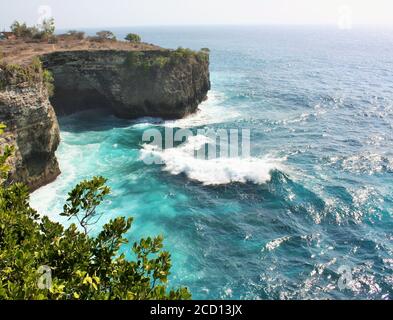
(308, 215)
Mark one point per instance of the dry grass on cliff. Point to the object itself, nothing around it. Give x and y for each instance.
(22, 52)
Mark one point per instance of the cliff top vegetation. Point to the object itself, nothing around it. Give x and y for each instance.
(22, 52)
(23, 43)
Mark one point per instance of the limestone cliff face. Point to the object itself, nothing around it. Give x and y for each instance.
(33, 130)
(158, 83)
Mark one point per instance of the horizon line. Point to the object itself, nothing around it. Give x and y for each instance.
(354, 25)
(234, 25)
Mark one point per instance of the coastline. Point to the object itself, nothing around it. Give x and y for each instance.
(131, 80)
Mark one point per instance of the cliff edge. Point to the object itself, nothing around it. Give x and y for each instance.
(32, 127)
(131, 84)
(131, 81)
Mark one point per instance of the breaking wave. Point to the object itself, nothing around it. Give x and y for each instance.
(218, 171)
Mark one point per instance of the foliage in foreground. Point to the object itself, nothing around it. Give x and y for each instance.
(41, 259)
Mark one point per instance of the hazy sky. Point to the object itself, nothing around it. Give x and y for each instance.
(117, 13)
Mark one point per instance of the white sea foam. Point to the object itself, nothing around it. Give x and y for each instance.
(210, 111)
(271, 245)
(366, 162)
(216, 171)
(49, 199)
(146, 122)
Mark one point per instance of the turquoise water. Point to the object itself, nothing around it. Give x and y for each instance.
(317, 193)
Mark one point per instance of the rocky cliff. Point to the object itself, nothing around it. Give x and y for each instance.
(160, 83)
(32, 126)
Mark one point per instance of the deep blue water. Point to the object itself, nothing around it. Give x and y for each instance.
(317, 193)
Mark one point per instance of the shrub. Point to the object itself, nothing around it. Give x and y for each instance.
(48, 81)
(182, 53)
(42, 32)
(15, 74)
(39, 35)
(132, 37)
(73, 34)
(106, 35)
(20, 30)
(160, 61)
(137, 59)
(203, 55)
(5, 154)
(41, 259)
(32, 74)
(48, 27)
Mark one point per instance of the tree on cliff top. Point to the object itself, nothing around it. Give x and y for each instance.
(21, 30)
(106, 35)
(44, 31)
(132, 37)
(48, 26)
(41, 259)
